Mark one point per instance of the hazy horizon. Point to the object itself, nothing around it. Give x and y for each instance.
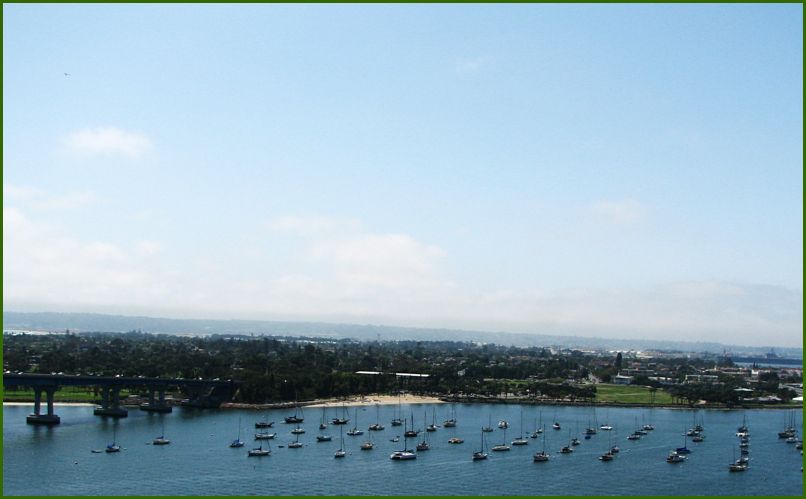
(52, 321)
(596, 170)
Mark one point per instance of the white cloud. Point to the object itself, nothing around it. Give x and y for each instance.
(312, 225)
(38, 199)
(43, 264)
(147, 248)
(107, 141)
(471, 65)
(345, 274)
(623, 212)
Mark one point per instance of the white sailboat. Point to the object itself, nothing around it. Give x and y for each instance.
(433, 425)
(502, 447)
(480, 454)
(377, 426)
(113, 447)
(260, 451)
(489, 427)
(368, 444)
(296, 444)
(451, 421)
(424, 445)
(542, 456)
(354, 432)
(237, 442)
(161, 440)
(520, 440)
(405, 454)
(398, 421)
(340, 452)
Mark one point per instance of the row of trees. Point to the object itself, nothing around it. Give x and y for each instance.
(289, 368)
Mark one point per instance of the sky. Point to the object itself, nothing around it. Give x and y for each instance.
(625, 171)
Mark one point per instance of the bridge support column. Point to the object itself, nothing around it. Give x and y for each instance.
(156, 406)
(37, 417)
(110, 403)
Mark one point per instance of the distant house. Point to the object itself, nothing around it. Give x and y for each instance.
(700, 378)
(622, 380)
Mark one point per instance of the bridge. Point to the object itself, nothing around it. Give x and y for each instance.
(202, 392)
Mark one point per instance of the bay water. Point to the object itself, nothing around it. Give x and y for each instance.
(60, 460)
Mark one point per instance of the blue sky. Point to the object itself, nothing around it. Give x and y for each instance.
(607, 170)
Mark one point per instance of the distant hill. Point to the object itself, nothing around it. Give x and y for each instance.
(52, 321)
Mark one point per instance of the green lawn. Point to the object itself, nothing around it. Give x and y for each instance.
(629, 394)
(65, 393)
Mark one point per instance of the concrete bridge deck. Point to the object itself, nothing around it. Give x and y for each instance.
(203, 392)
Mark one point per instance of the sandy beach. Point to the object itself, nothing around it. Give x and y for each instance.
(338, 402)
(377, 399)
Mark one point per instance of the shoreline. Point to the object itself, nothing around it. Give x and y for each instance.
(338, 402)
(474, 400)
(408, 399)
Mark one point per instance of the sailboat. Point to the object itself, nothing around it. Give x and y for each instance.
(377, 426)
(161, 440)
(323, 438)
(539, 427)
(684, 449)
(296, 418)
(743, 428)
(433, 425)
(355, 431)
(736, 466)
(397, 421)
(480, 454)
(113, 447)
(609, 455)
(556, 424)
(542, 456)
(520, 440)
(344, 419)
(296, 444)
(699, 426)
(259, 451)
(405, 454)
(368, 445)
(322, 424)
(606, 426)
(264, 435)
(789, 427)
(411, 433)
(575, 440)
(424, 444)
(298, 430)
(590, 430)
(502, 446)
(649, 426)
(264, 423)
(237, 442)
(614, 449)
(341, 452)
(567, 449)
(489, 427)
(674, 457)
(450, 422)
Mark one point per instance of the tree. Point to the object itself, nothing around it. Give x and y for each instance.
(618, 362)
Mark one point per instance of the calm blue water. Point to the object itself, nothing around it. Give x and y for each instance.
(199, 461)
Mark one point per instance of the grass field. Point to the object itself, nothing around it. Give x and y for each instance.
(76, 394)
(629, 394)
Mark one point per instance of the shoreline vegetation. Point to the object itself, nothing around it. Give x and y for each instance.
(377, 399)
(278, 372)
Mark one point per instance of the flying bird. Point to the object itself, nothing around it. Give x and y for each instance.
(66, 74)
